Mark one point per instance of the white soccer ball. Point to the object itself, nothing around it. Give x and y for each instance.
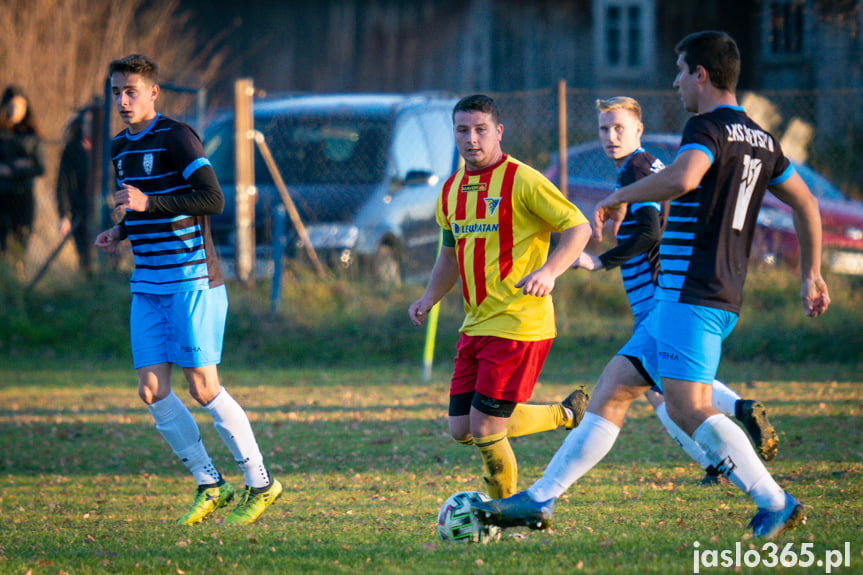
(455, 522)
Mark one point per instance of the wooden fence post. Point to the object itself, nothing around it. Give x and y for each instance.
(561, 131)
(245, 192)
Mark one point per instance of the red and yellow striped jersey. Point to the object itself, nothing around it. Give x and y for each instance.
(501, 218)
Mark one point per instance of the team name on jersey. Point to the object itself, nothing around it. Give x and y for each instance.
(755, 138)
(464, 229)
(473, 188)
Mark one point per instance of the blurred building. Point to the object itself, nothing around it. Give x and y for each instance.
(505, 45)
(802, 57)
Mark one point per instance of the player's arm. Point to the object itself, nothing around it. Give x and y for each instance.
(444, 276)
(646, 234)
(681, 177)
(187, 154)
(807, 223)
(205, 199)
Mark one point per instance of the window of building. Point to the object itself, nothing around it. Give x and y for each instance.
(785, 27)
(623, 37)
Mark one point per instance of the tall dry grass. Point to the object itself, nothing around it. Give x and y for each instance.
(58, 51)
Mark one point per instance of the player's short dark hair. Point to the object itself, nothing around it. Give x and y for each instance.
(136, 64)
(716, 52)
(477, 103)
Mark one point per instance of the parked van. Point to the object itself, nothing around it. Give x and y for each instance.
(364, 171)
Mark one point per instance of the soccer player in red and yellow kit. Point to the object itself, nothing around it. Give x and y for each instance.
(497, 215)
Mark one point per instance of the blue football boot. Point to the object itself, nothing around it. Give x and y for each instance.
(772, 524)
(518, 510)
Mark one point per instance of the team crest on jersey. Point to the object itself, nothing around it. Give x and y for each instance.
(120, 166)
(491, 205)
(480, 187)
(148, 163)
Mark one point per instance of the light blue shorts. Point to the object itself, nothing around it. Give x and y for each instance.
(689, 339)
(641, 351)
(184, 328)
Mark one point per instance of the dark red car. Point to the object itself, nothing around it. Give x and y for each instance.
(591, 176)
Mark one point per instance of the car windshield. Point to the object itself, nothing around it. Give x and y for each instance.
(309, 149)
(591, 165)
(663, 152)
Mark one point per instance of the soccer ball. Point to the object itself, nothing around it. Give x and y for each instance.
(455, 522)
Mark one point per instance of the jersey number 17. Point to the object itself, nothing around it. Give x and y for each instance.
(751, 171)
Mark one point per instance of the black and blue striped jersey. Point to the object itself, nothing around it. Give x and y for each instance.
(705, 247)
(171, 241)
(637, 249)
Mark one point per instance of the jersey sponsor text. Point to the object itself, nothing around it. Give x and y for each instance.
(753, 137)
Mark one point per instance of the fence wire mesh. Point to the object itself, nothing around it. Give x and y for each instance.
(820, 128)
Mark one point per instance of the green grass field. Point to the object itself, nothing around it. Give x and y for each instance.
(360, 443)
(89, 487)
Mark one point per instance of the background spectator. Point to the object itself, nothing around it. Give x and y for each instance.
(21, 160)
(74, 198)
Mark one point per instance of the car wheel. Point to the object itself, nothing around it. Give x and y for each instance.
(386, 267)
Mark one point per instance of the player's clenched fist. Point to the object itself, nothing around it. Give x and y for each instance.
(419, 311)
(130, 198)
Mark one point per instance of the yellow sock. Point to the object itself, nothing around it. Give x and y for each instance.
(466, 441)
(501, 468)
(533, 418)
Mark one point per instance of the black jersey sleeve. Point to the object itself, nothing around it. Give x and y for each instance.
(123, 232)
(647, 234)
(704, 133)
(187, 155)
(206, 197)
(783, 168)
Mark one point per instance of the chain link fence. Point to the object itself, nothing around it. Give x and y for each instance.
(816, 127)
(820, 128)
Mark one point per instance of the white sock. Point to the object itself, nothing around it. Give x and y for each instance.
(176, 424)
(584, 447)
(730, 452)
(690, 447)
(195, 457)
(233, 426)
(724, 398)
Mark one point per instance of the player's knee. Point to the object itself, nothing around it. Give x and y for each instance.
(203, 394)
(204, 384)
(150, 395)
(684, 416)
(459, 430)
(463, 438)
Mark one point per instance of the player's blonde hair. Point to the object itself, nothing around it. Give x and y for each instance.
(620, 103)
